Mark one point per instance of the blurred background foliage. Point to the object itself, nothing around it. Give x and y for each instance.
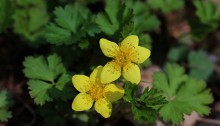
(44, 42)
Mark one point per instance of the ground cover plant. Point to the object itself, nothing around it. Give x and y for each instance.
(109, 62)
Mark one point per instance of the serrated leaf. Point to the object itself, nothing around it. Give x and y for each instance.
(146, 106)
(39, 68)
(30, 18)
(3, 99)
(201, 66)
(55, 66)
(127, 29)
(143, 19)
(199, 31)
(114, 19)
(4, 115)
(187, 94)
(194, 93)
(36, 68)
(72, 23)
(5, 103)
(65, 78)
(166, 6)
(130, 91)
(207, 12)
(152, 98)
(47, 77)
(176, 77)
(144, 114)
(39, 91)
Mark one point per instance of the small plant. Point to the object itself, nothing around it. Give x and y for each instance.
(83, 62)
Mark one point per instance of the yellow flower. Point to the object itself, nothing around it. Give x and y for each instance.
(125, 56)
(92, 90)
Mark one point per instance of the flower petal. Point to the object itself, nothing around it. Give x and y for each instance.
(81, 83)
(110, 72)
(131, 72)
(82, 102)
(109, 48)
(130, 42)
(113, 92)
(140, 55)
(103, 107)
(96, 74)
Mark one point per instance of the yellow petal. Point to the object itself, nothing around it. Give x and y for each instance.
(103, 107)
(131, 72)
(81, 83)
(96, 74)
(82, 102)
(140, 55)
(130, 42)
(109, 48)
(113, 92)
(110, 72)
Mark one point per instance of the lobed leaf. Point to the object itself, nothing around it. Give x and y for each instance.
(30, 18)
(115, 18)
(201, 66)
(72, 23)
(184, 94)
(48, 78)
(5, 103)
(166, 6)
(207, 12)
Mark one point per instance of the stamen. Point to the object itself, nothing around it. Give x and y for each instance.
(96, 91)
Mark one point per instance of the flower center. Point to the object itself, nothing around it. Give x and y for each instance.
(96, 92)
(123, 58)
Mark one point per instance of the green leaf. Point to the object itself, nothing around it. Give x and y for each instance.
(5, 14)
(127, 29)
(30, 18)
(115, 18)
(207, 12)
(5, 103)
(72, 23)
(152, 97)
(4, 115)
(184, 94)
(209, 17)
(38, 91)
(201, 66)
(3, 99)
(108, 21)
(194, 93)
(145, 41)
(176, 77)
(146, 106)
(46, 75)
(144, 114)
(143, 19)
(65, 78)
(177, 53)
(130, 91)
(67, 93)
(39, 68)
(199, 31)
(166, 6)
